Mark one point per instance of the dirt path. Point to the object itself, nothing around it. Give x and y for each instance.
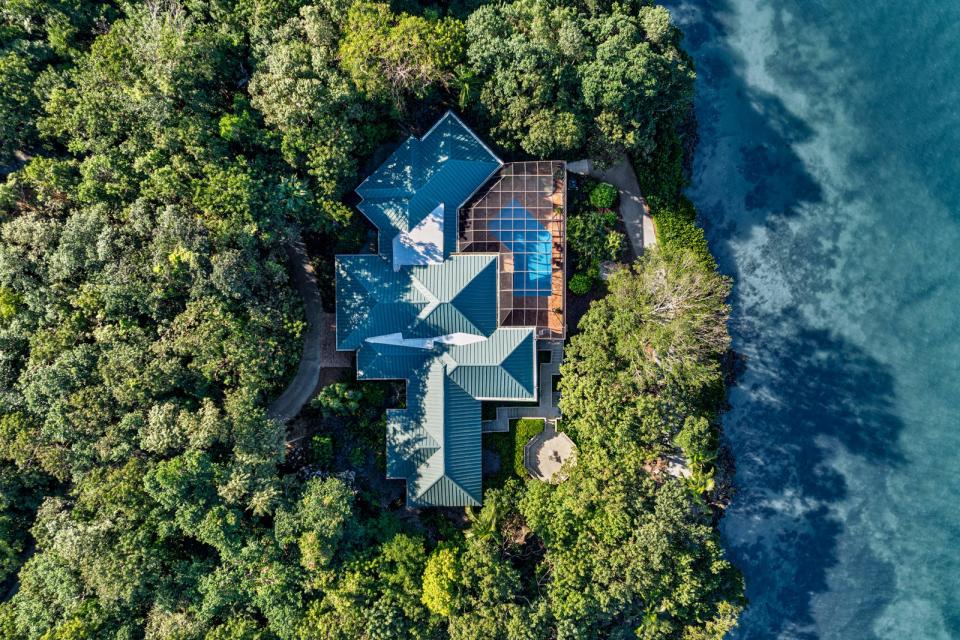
(301, 388)
(633, 208)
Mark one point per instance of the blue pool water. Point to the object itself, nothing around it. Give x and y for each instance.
(828, 178)
(531, 245)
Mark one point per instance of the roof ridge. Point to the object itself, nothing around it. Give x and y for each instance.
(483, 144)
(491, 262)
(500, 364)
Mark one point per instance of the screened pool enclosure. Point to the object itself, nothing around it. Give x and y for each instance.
(520, 215)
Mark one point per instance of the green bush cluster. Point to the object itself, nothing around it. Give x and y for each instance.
(677, 230)
(581, 283)
(593, 237)
(348, 399)
(660, 174)
(509, 447)
(557, 77)
(662, 180)
(603, 196)
(591, 233)
(321, 450)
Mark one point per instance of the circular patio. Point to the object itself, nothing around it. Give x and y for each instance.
(546, 453)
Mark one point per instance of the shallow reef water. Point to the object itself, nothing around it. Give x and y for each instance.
(828, 179)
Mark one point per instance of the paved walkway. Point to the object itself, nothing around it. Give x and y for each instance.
(546, 406)
(303, 385)
(633, 208)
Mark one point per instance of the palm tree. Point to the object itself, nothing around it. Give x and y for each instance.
(461, 82)
(483, 526)
(700, 482)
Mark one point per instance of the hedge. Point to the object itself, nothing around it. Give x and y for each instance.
(677, 229)
(509, 447)
(523, 430)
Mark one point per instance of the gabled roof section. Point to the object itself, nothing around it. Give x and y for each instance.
(409, 446)
(435, 442)
(437, 173)
(388, 362)
(456, 296)
(462, 292)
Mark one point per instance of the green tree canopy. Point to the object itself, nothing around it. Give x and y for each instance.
(556, 77)
(156, 160)
(394, 56)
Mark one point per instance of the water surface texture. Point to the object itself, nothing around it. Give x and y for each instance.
(828, 178)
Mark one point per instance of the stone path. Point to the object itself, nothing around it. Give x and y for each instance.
(633, 208)
(546, 406)
(303, 385)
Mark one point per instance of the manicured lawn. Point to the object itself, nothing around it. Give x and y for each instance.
(509, 447)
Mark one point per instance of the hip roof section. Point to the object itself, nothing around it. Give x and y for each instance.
(427, 178)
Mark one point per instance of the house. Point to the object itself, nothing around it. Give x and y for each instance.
(468, 276)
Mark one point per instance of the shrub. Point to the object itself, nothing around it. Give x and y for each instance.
(661, 174)
(502, 445)
(614, 245)
(440, 581)
(8, 303)
(321, 450)
(603, 196)
(350, 399)
(338, 399)
(592, 238)
(509, 447)
(357, 457)
(581, 284)
(696, 440)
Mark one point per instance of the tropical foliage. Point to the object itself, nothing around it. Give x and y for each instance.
(592, 235)
(556, 76)
(156, 158)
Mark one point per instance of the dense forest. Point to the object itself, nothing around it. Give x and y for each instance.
(155, 159)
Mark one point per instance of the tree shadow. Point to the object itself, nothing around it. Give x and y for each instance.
(808, 398)
(805, 397)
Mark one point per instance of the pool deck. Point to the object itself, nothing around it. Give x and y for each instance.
(532, 286)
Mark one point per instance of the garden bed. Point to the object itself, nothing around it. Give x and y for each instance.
(509, 449)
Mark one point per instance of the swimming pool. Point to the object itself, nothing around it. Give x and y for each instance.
(531, 245)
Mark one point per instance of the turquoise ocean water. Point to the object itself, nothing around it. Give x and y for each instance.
(828, 178)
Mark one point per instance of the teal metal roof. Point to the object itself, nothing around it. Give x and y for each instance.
(435, 324)
(501, 367)
(458, 295)
(435, 442)
(445, 167)
(372, 299)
